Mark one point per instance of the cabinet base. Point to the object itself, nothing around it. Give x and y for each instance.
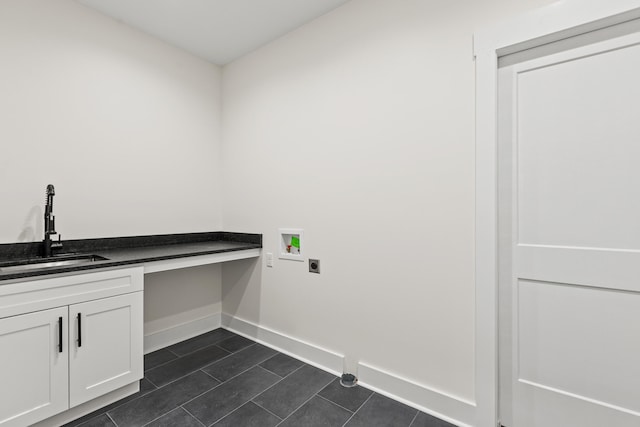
(88, 407)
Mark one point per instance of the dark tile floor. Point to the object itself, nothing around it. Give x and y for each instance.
(224, 380)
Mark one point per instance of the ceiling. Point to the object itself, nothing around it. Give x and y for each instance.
(216, 30)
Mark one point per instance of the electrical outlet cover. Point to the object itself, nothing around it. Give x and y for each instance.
(314, 266)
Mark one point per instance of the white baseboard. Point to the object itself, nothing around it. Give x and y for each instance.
(175, 334)
(450, 408)
(314, 355)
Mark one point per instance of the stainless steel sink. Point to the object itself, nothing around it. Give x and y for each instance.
(51, 262)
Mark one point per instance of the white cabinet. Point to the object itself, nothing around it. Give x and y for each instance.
(106, 349)
(33, 367)
(84, 340)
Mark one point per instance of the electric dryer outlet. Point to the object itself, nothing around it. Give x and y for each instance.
(314, 266)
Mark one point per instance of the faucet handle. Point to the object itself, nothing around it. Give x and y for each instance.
(57, 244)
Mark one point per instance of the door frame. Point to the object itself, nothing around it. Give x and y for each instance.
(562, 19)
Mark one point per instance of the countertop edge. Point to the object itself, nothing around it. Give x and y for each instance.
(132, 255)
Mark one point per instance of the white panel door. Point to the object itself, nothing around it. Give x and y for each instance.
(33, 367)
(106, 349)
(575, 227)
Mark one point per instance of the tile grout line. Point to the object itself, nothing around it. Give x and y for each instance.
(168, 412)
(246, 370)
(162, 364)
(305, 402)
(414, 418)
(179, 356)
(152, 383)
(262, 407)
(269, 370)
(272, 373)
(360, 407)
(211, 375)
(219, 360)
(256, 365)
(244, 404)
(97, 414)
(331, 401)
(189, 373)
(112, 420)
(290, 373)
(172, 352)
(199, 348)
(226, 415)
(158, 417)
(180, 378)
(194, 417)
(90, 419)
(277, 382)
(276, 352)
(203, 393)
(251, 367)
(218, 385)
(250, 400)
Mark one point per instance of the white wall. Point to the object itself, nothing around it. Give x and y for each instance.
(128, 130)
(126, 127)
(359, 128)
(179, 304)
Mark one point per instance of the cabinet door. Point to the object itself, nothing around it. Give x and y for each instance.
(106, 348)
(33, 367)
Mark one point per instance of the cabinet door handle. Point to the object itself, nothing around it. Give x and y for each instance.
(60, 334)
(79, 329)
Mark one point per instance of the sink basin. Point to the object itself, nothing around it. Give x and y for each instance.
(54, 261)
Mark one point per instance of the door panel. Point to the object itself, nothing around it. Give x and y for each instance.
(33, 371)
(578, 151)
(566, 342)
(573, 136)
(565, 410)
(110, 353)
(605, 268)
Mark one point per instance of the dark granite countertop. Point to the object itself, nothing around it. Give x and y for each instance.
(121, 251)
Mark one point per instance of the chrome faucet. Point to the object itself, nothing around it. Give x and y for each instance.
(50, 224)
